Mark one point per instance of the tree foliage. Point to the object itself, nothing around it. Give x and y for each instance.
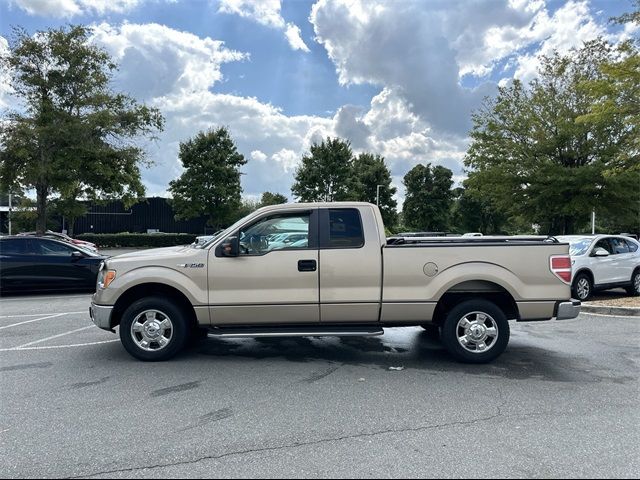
(534, 160)
(369, 171)
(324, 174)
(269, 198)
(210, 183)
(72, 128)
(428, 201)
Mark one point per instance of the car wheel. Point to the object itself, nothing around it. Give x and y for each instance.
(476, 331)
(431, 330)
(634, 289)
(154, 329)
(582, 287)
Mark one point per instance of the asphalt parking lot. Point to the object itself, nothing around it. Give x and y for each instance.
(562, 401)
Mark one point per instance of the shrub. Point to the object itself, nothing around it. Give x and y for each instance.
(117, 240)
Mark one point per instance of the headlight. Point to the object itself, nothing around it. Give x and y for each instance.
(105, 277)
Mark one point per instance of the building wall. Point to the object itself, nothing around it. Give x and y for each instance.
(154, 213)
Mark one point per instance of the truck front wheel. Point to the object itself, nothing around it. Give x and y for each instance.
(475, 331)
(154, 329)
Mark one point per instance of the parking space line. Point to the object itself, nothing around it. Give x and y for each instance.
(36, 315)
(35, 320)
(54, 337)
(28, 299)
(54, 347)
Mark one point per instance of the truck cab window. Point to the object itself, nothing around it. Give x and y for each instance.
(277, 232)
(345, 228)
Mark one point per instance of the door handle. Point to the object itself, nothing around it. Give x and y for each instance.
(307, 265)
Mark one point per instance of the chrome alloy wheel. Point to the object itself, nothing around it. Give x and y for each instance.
(636, 282)
(152, 330)
(477, 332)
(583, 288)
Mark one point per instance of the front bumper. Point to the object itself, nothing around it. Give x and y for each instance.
(101, 316)
(568, 310)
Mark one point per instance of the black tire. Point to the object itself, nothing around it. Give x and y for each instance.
(633, 290)
(179, 333)
(582, 287)
(495, 346)
(431, 330)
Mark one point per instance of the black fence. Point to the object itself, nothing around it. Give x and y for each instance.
(152, 214)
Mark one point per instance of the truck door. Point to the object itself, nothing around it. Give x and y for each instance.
(275, 277)
(350, 266)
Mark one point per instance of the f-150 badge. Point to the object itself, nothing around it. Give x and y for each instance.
(191, 265)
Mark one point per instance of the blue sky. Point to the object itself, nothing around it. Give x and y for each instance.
(398, 78)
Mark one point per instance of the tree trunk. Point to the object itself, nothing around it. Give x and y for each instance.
(70, 222)
(41, 208)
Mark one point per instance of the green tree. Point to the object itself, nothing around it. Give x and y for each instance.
(428, 200)
(210, 183)
(369, 171)
(269, 198)
(72, 128)
(615, 97)
(534, 161)
(324, 174)
(474, 213)
(68, 206)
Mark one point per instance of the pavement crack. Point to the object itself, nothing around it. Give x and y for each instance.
(293, 445)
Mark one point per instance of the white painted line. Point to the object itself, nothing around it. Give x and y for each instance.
(54, 337)
(53, 347)
(27, 298)
(38, 314)
(31, 321)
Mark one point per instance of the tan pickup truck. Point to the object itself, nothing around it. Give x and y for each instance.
(327, 269)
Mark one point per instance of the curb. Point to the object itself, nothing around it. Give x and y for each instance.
(609, 310)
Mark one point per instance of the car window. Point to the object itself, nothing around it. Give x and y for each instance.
(603, 243)
(49, 248)
(619, 245)
(13, 246)
(345, 228)
(633, 246)
(579, 247)
(277, 232)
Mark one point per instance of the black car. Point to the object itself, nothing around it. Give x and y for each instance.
(42, 264)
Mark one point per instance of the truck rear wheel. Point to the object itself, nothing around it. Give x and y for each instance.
(154, 329)
(475, 331)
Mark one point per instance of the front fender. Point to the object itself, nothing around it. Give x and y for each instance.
(192, 283)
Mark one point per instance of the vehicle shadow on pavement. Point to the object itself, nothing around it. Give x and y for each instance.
(519, 362)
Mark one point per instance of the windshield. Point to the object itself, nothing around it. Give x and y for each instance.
(579, 246)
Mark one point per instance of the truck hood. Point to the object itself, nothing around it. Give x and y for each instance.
(157, 255)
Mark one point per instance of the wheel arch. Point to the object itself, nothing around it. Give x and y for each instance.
(143, 290)
(476, 289)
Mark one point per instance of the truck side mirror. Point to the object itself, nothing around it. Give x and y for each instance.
(230, 247)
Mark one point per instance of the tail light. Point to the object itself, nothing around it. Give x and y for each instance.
(560, 266)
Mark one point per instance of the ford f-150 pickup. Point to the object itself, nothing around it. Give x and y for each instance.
(325, 269)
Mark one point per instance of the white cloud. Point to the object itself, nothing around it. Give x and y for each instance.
(294, 38)
(6, 101)
(156, 60)
(422, 50)
(258, 156)
(71, 8)
(267, 13)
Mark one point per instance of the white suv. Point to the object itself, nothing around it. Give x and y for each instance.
(601, 262)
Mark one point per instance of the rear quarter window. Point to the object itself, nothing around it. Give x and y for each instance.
(633, 246)
(13, 247)
(345, 228)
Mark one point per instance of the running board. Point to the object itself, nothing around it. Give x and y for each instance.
(294, 332)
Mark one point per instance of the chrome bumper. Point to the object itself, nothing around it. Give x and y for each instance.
(101, 315)
(568, 310)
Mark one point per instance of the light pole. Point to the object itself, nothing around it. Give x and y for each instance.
(378, 194)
